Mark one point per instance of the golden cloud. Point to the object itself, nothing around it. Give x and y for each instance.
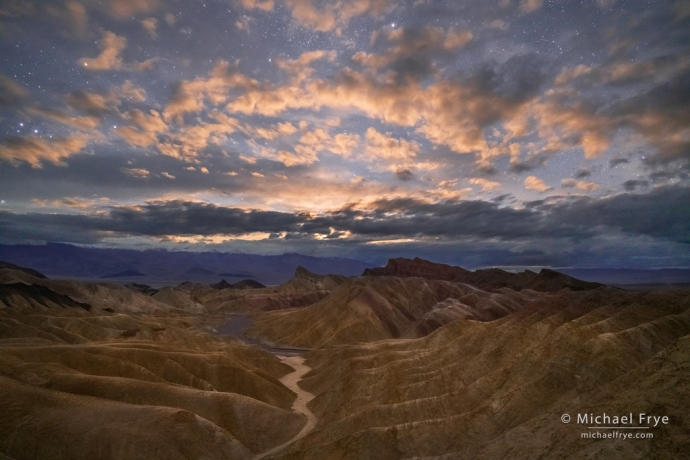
(527, 6)
(139, 173)
(150, 24)
(111, 46)
(383, 146)
(580, 185)
(188, 141)
(190, 95)
(536, 184)
(300, 69)
(265, 5)
(147, 128)
(123, 9)
(334, 15)
(129, 91)
(484, 184)
(35, 151)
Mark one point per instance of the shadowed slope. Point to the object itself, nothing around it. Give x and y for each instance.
(78, 385)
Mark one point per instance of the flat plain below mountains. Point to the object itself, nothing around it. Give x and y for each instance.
(414, 360)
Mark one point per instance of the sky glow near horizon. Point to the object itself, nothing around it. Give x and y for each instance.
(512, 132)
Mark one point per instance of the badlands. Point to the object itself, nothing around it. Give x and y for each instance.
(414, 360)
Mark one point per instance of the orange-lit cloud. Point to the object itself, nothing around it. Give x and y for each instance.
(331, 15)
(380, 145)
(580, 185)
(35, 151)
(146, 129)
(109, 59)
(485, 184)
(536, 184)
(150, 24)
(139, 173)
(122, 9)
(132, 92)
(527, 6)
(265, 5)
(300, 68)
(188, 141)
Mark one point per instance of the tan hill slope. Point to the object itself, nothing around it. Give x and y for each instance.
(79, 382)
(368, 309)
(122, 387)
(304, 289)
(99, 296)
(497, 389)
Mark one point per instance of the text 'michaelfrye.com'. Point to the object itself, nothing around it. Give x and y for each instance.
(601, 423)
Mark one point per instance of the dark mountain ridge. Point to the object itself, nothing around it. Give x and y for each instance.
(546, 280)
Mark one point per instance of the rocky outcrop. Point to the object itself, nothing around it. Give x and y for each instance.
(490, 279)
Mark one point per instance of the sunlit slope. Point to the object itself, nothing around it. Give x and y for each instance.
(498, 389)
(368, 309)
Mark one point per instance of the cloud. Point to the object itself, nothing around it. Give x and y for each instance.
(265, 5)
(71, 16)
(150, 24)
(484, 184)
(410, 52)
(300, 69)
(617, 221)
(130, 91)
(94, 104)
(499, 24)
(35, 151)
(634, 184)
(145, 130)
(331, 15)
(109, 59)
(88, 122)
(582, 173)
(188, 142)
(618, 161)
(139, 173)
(11, 92)
(383, 146)
(536, 184)
(404, 175)
(311, 143)
(123, 9)
(189, 96)
(286, 128)
(580, 185)
(527, 6)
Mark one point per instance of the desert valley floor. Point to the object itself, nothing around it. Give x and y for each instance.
(414, 360)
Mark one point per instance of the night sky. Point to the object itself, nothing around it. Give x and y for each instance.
(506, 133)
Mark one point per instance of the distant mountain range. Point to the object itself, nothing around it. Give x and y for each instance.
(624, 276)
(161, 267)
